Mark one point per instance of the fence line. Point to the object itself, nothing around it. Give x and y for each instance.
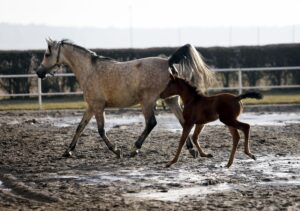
(240, 86)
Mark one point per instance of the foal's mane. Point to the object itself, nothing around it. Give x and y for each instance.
(94, 56)
(191, 87)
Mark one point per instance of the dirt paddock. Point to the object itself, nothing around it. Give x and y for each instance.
(33, 174)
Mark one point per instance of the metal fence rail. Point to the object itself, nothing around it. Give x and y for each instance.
(240, 86)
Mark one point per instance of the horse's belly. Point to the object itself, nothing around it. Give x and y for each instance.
(121, 101)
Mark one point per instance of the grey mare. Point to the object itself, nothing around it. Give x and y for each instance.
(109, 83)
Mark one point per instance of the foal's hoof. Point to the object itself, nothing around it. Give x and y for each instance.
(209, 156)
(194, 153)
(169, 164)
(251, 155)
(119, 153)
(67, 154)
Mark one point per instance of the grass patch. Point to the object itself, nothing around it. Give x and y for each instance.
(45, 106)
(274, 99)
(80, 104)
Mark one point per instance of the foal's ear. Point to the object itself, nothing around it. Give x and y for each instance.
(173, 72)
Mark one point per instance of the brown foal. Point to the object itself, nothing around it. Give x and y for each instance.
(200, 109)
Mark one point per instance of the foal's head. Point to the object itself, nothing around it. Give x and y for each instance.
(178, 86)
(51, 58)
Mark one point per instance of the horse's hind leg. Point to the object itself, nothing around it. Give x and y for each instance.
(84, 121)
(148, 111)
(235, 138)
(100, 123)
(246, 130)
(243, 127)
(176, 109)
(197, 131)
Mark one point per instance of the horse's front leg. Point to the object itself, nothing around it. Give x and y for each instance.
(148, 111)
(185, 133)
(84, 121)
(100, 123)
(176, 109)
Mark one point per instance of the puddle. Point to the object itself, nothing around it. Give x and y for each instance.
(279, 119)
(168, 121)
(94, 178)
(111, 121)
(279, 170)
(178, 194)
(145, 177)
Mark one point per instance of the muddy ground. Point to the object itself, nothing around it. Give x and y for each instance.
(34, 175)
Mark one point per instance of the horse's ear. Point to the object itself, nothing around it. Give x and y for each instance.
(49, 41)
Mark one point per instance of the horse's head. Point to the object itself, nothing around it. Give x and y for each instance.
(51, 58)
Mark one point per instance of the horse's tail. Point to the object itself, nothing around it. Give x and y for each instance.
(191, 67)
(255, 95)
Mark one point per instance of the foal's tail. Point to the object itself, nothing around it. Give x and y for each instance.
(191, 67)
(255, 95)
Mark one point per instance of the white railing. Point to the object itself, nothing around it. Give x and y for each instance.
(240, 86)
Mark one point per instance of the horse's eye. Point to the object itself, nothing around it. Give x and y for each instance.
(47, 54)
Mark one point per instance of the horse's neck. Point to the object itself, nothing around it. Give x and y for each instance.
(188, 93)
(79, 62)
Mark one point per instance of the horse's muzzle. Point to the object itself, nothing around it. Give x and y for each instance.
(41, 72)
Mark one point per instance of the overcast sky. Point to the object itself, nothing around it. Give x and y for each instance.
(24, 24)
(151, 13)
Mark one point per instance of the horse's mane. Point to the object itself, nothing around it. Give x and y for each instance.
(188, 64)
(93, 54)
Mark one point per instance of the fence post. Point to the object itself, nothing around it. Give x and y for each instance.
(240, 82)
(40, 92)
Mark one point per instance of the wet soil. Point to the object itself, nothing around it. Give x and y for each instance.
(34, 175)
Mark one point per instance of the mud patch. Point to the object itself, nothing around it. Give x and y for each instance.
(279, 170)
(32, 167)
(21, 190)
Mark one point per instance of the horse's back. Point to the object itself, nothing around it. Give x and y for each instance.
(130, 82)
(146, 73)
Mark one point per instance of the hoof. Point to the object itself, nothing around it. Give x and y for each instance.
(228, 166)
(194, 153)
(209, 155)
(253, 157)
(134, 153)
(67, 154)
(169, 164)
(119, 153)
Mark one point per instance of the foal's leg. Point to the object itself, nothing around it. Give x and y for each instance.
(197, 131)
(243, 127)
(176, 109)
(235, 138)
(148, 111)
(100, 123)
(84, 121)
(185, 133)
(246, 129)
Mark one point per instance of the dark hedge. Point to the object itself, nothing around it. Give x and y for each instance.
(24, 62)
